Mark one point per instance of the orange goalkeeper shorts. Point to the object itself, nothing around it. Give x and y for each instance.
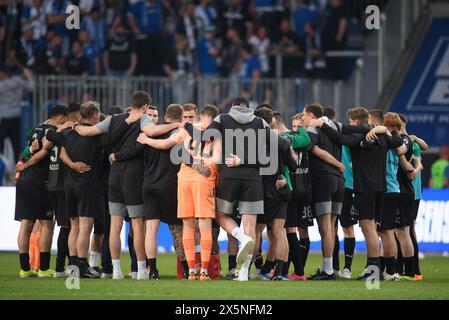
(196, 200)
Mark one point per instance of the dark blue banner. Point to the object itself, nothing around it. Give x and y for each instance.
(424, 94)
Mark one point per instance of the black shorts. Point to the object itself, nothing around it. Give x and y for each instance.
(32, 201)
(274, 208)
(125, 187)
(391, 207)
(57, 200)
(369, 205)
(327, 194)
(83, 202)
(299, 212)
(404, 217)
(415, 209)
(161, 203)
(348, 216)
(246, 194)
(125, 193)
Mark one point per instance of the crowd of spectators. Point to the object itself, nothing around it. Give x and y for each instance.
(174, 38)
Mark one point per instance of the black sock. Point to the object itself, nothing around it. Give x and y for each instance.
(415, 251)
(82, 264)
(24, 259)
(45, 261)
(268, 265)
(63, 249)
(373, 261)
(390, 263)
(73, 260)
(258, 261)
(349, 252)
(409, 263)
(294, 253)
(185, 266)
(286, 267)
(304, 246)
(279, 265)
(132, 254)
(232, 262)
(152, 264)
(382, 264)
(336, 254)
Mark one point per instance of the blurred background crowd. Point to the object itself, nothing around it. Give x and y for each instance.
(172, 38)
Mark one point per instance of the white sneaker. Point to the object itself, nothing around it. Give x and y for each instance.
(62, 274)
(243, 275)
(106, 276)
(246, 248)
(142, 275)
(133, 275)
(346, 274)
(337, 273)
(117, 275)
(391, 277)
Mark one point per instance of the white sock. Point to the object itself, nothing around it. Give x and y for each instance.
(204, 270)
(197, 249)
(93, 258)
(192, 270)
(327, 265)
(141, 266)
(238, 234)
(247, 263)
(244, 270)
(116, 265)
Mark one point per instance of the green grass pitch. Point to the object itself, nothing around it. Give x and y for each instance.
(435, 285)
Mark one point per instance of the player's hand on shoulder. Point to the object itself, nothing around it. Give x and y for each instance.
(371, 135)
(133, 117)
(142, 138)
(68, 124)
(316, 123)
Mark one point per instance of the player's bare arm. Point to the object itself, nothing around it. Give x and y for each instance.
(161, 144)
(159, 129)
(372, 135)
(422, 144)
(37, 157)
(328, 158)
(77, 166)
